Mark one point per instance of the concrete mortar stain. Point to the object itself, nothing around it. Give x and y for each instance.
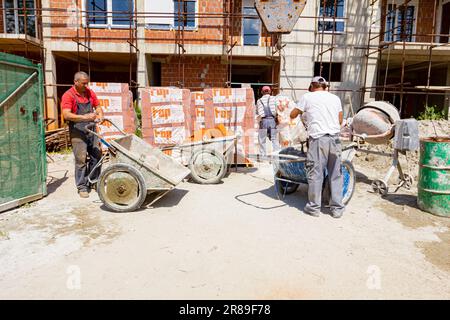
(88, 225)
(81, 222)
(436, 252)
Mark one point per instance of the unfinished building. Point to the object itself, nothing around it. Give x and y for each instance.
(373, 49)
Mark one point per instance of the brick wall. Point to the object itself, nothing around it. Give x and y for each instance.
(63, 24)
(424, 22)
(210, 29)
(199, 72)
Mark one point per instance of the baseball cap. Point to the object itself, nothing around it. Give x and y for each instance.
(319, 79)
(266, 89)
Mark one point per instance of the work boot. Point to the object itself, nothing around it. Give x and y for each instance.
(311, 213)
(337, 214)
(83, 194)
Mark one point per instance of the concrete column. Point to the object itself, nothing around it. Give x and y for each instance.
(51, 101)
(142, 72)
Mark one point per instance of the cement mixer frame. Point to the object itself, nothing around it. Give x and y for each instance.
(392, 116)
(381, 186)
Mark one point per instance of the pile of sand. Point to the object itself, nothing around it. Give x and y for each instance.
(410, 161)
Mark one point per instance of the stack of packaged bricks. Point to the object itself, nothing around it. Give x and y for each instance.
(166, 116)
(233, 108)
(197, 110)
(116, 101)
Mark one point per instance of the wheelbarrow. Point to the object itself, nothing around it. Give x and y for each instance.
(207, 160)
(290, 171)
(135, 171)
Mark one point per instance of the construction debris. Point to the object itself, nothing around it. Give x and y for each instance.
(57, 140)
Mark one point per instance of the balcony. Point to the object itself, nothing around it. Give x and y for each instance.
(20, 27)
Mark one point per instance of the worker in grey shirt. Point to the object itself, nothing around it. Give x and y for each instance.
(323, 118)
(266, 116)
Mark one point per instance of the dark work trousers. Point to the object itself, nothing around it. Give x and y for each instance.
(324, 153)
(84, 145)
(267, 128)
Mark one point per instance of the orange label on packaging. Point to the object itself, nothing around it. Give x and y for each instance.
(162, 113)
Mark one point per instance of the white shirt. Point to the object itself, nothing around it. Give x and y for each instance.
(269, 100)
(321, 113)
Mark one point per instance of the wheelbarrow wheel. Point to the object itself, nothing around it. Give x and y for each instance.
(208, 166)
(121, 188)
(349, 177)
(283, 188)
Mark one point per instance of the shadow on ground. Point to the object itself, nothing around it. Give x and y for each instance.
(402, 200)
(169, 200)
(296, 200)
(54, 183)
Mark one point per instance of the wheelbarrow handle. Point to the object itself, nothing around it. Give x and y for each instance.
(115, 126)
(91, 126)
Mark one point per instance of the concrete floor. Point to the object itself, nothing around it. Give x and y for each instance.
(233, 240)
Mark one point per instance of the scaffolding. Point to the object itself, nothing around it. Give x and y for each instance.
(402, 38)
(230, 17)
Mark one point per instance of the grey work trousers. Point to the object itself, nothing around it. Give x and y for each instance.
(324, 153)
(82, 147)
(267, 129)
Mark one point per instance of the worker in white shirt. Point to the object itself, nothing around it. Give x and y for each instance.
(322, 113)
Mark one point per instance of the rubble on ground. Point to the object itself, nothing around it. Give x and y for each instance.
(410, 161)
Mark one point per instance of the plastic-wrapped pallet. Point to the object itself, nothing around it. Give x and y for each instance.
(197, 110)
(235, 109)
(166, 118)
(116, 101)
(290, 131)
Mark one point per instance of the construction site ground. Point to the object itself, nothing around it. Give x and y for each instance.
(233, 240)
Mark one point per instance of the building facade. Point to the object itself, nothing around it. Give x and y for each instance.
(197, 44)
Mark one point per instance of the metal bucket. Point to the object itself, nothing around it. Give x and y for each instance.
(434, 176)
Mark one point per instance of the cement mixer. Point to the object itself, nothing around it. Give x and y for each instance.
(375, 121)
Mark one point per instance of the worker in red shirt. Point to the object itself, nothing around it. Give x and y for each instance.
(80, 107)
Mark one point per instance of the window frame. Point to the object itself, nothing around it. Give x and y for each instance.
(109, 17)
(413, 3)
(16, 19)
(171, 26)
(331, 19)
(341, 63)
(244, 6)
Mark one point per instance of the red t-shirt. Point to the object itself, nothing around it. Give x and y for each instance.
(68, 100)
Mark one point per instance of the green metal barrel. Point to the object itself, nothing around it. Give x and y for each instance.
(434, 176)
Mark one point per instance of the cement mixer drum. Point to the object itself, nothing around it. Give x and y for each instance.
(376, 120)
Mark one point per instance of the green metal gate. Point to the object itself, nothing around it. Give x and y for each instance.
(23, 167)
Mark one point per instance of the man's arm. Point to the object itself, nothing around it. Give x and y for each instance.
(258, 116)
(67, 103)
(341, 117)
(299, 109)
(69, 116)
(295, 113)
(99, 112)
